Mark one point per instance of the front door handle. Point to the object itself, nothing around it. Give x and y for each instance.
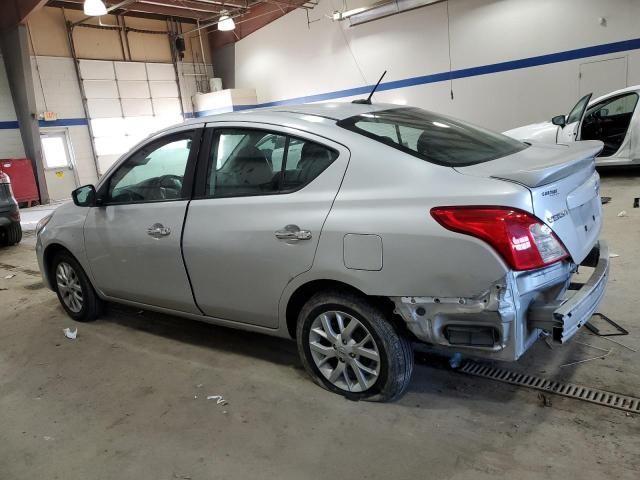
(158, 230)
(293, 232)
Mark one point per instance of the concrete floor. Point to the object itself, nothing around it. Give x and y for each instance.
(128, 398)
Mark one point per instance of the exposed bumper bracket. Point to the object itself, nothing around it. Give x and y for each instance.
(565, 317)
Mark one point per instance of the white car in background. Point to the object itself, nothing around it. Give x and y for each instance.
(612, 119)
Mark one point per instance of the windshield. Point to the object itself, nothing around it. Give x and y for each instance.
(433, 137)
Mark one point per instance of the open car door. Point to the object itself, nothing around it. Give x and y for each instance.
(569, 132)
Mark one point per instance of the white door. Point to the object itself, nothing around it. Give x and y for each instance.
(59, 166)
(603, 77)
(569, 132)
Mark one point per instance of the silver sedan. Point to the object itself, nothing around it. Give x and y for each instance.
(355, 229)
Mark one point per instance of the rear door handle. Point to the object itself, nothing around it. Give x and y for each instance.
(293, 232)
(158, 230)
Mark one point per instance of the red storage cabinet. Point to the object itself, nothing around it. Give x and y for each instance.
(23, 182)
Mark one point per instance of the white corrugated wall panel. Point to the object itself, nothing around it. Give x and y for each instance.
(130, 71)
(97, 70)
(167, 107)
(134, 89)
(161, 71)
(104, 108)
(136, 107)
(101, 89)
(164, 89)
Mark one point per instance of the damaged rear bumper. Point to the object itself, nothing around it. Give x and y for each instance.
(565, 317)
(503, 322)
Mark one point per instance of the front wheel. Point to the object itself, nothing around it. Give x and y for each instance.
(74, 289)
(348, 347)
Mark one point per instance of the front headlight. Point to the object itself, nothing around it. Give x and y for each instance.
(43, 223)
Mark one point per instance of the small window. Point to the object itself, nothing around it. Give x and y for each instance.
(432, 137)
(305, 161)
(55, 151)
(153, 173)
(243, 162)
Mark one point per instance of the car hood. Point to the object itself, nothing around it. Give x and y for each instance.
(544, 132)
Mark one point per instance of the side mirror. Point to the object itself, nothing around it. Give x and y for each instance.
(84, 196)
(559, 120)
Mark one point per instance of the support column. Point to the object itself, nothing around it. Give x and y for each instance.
(17, 60)
(224, 64)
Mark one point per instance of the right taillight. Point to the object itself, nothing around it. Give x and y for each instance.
(520, 238)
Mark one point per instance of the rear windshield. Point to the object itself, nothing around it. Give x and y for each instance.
(432, 137)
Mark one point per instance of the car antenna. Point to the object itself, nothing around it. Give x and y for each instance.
(368, 100)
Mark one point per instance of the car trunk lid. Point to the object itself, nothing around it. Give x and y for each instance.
(564, 189)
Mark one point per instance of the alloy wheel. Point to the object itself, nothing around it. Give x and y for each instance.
(69, 287)
(344, 351)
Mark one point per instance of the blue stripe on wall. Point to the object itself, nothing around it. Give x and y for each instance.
(529, 62)
(9, 125)
(61, 122)
(64, 122)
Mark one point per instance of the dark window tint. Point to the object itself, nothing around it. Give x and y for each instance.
(257, 162)
(242, 163)
(432, 137)
(153, 173)
(305, 161)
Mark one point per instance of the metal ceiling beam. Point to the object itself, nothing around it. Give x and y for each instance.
(184, 5)
(149, 11)
(137, 9)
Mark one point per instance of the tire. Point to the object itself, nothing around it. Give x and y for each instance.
(13, 234)
(322, 353)
(68, 277)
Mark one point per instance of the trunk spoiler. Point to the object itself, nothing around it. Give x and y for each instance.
(540, 164)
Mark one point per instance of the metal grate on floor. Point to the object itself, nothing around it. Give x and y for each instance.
(587, 394)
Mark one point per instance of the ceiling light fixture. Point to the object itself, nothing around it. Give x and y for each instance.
(94, 8)
(226, 23)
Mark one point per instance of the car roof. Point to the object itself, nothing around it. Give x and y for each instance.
(330, 110)
(634, 88)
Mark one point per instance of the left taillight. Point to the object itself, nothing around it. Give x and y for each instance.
(523, 241)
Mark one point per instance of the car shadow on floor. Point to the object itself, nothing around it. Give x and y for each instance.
(433, 377)
(214, 337)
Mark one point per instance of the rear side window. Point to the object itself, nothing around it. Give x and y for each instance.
(432, 137)
(258, 162)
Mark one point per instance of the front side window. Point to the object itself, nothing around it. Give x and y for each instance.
(433, 137)
(576, 113)
(258, 162)
(153, 173)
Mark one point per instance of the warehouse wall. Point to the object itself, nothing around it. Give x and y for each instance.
(328, 59)
(55, 81)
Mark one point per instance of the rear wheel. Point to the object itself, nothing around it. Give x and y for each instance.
(348, 346)
(74, 290)
(13, 234)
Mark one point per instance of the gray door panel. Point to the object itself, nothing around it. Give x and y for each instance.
(130, 263)
(238, 266)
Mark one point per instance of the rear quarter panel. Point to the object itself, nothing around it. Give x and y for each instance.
(389, 193)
